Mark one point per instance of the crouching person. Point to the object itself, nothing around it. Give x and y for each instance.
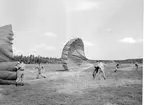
(20, 73)
(136, 66)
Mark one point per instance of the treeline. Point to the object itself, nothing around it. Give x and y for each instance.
(138, 60)
(37, 59)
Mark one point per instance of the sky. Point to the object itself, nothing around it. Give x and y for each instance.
(110, 29)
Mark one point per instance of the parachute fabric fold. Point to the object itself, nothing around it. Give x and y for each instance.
(8, 66)
(6, 34)
(8, 75)
(7, 63)
(7, 82)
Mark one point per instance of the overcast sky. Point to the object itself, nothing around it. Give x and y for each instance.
(110, 29)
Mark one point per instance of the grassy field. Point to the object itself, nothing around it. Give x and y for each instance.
(76, 88)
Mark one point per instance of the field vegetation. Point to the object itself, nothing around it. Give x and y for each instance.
(76, 87)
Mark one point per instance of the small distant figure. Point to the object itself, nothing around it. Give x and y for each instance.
(117, 66)
(136, 66)
(20, 66)
(39, 68)
(99, 69)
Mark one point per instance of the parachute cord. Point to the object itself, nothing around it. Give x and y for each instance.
(81, 55)
(113, 61)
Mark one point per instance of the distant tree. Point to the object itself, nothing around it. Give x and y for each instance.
(35, 59)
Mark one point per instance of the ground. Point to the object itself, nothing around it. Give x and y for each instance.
(76, 88)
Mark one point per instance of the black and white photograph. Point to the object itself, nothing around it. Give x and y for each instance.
(71, 52)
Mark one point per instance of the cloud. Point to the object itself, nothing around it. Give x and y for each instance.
(41, 48)
(130, 40)
(88, 44)
(140, 40)
(32, 52)
(42, 45)
(17, 51)
(83, 5)
(50, 48)
(50, 34)
(109, 30)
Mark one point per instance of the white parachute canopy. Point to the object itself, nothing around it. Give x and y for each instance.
(73, 56)
(7, 63)
(6, 37)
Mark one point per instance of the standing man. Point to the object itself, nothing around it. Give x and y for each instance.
(117, 66)
(136, 65)
(39, 68)
(20, 66)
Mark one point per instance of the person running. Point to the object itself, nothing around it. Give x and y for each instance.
(99, 69)
(117, 66)
(20, 66)
(136, 65)
(39, 68)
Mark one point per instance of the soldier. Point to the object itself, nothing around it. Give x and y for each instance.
(39, 67)
(20, 66)
(136, 65)
(99, 69)
(117, 66)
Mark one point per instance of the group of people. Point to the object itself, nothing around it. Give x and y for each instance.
(20, 67)
(117, 67)
(99, 68)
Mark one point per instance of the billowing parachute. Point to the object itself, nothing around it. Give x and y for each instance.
(73, 56)
(7, 63)
(6, 35)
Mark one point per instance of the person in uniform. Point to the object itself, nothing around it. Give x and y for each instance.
(136, 66)
(20, 66)
(117, 66)
(39, 74)
(99, 69)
